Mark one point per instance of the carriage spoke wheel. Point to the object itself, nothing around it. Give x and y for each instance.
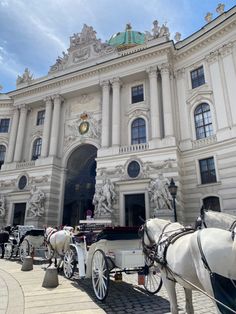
(100, 275)
(8, 250)
(48, 252)
(153, 281)
(69, 264)
(24, 249)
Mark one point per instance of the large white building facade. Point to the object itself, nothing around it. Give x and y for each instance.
(113, 122)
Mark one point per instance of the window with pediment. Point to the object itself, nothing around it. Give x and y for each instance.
(203, 121)
(138, 131)
(2, 155)
(37, 146)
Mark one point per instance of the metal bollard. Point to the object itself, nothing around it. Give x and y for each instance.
(51, 278)
(27, 264)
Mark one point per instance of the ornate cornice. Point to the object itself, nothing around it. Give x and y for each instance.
(200, 42)
(98, 70)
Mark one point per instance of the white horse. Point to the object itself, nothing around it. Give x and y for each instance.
(213, 219)
(58, 243)
(181, 259)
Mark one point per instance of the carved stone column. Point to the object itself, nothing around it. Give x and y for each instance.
(227, 63)
(116, 111)
(46, 127)
(55, 125)
(20, 133)
(216, 79)
(105, 113)
(154, 104)
(166, 94)
(12, 139)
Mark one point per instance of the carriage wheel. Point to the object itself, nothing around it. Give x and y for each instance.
(48, 252)
(100, 275)
(24, 249)
(153, 281)
(8, 251)
(69, 264)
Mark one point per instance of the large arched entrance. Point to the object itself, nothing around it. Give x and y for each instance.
(80, 184)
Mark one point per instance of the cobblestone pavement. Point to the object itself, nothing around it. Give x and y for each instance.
(22, 292)
(128, 297)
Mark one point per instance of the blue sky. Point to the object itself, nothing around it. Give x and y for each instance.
(34, 32)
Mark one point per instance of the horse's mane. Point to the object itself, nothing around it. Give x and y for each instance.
(218, 219)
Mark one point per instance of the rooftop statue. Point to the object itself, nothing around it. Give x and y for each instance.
(25, 78)
(83, 46)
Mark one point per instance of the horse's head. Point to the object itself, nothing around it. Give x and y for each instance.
(153, 229)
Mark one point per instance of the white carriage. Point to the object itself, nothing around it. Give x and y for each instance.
(33, 243)
(115, 250)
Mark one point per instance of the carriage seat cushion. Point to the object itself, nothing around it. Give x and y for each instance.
(118, 233)
(35, 232)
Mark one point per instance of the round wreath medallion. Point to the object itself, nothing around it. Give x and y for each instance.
(83, 127)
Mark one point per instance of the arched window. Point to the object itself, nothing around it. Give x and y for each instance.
(212, 203)
(203, 121)
(37, 146)
(138, 131)
(2, 155)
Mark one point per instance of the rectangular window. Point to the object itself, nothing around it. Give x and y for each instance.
(197, 77)
(4, 125)
(207, 170)
(40, 117)
(137, 94)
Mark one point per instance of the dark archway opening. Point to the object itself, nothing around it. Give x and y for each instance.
(134, 209)
(80, 185)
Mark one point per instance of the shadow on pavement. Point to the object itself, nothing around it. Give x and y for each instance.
(125, 298)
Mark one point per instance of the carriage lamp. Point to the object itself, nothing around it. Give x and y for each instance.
(172, 187)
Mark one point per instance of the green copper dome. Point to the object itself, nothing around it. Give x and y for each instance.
(127, 39)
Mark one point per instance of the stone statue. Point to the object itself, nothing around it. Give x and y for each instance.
(25, 78)
(2, 206)
(208, 17)
(220, 8)
(177, 36)
(36, 202)
(164, 31)
(104, 197)
(159, 193)
(156, 29)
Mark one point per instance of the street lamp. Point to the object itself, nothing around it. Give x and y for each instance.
(173, 191)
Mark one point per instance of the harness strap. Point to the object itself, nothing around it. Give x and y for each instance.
(199, 289)
(203, 258)
(50, 234)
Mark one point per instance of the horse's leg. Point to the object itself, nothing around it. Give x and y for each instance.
(170, 288)
(189, 301)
